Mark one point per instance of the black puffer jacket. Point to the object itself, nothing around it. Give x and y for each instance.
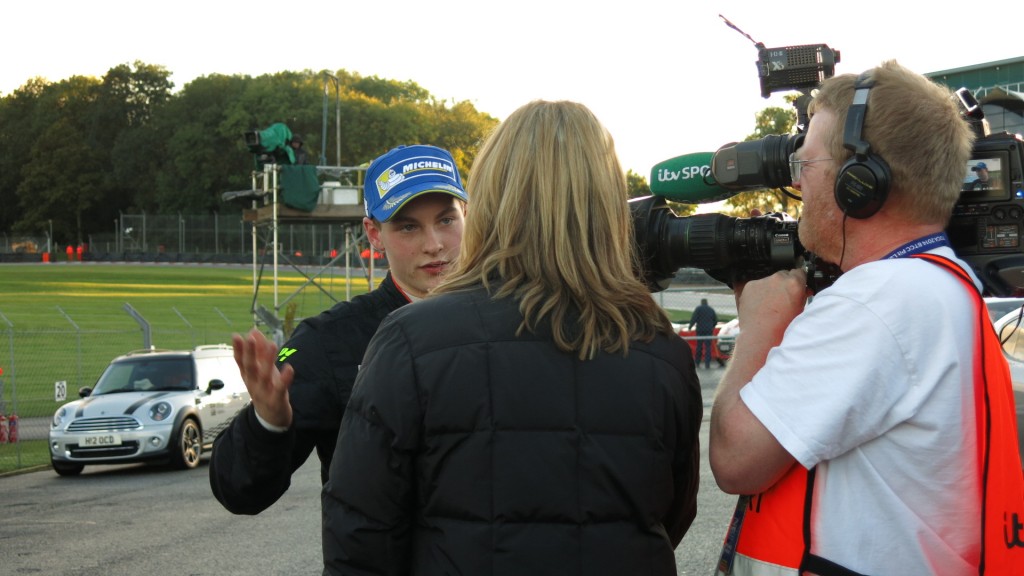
(468, 450)
(251, 467)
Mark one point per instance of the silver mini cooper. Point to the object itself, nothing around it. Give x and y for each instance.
(149, 405)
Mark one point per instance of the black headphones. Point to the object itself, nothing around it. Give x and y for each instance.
(862, 184)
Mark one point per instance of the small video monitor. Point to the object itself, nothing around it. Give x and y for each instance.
(985, 179)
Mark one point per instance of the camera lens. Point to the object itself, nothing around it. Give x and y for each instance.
(729, 249)
(755, 164)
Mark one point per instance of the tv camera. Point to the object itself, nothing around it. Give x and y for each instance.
(985, 229)
(735, 249)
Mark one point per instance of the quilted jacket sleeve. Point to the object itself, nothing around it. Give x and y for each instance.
(369, 500)
(251, 467)
(689, 411)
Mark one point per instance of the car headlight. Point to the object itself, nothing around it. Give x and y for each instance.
(160, 411)
(58, 417)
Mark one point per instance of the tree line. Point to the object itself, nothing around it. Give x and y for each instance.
(77, 153)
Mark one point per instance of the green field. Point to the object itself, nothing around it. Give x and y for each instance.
(173, 296)
(23, 456)
(65, 322)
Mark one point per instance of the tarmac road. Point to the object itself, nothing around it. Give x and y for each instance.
(700, 548)
(136, 519)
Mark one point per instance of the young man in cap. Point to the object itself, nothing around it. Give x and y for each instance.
(415, 208)
(982, 182)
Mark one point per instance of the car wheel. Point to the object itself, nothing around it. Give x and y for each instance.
(66, 469)
(189, 446)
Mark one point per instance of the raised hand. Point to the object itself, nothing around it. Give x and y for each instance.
(268, 386)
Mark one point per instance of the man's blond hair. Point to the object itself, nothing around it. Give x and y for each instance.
(915, 126)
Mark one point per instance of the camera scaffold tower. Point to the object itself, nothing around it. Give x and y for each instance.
(336, 203)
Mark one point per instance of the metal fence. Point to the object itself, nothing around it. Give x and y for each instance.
(148, 237)
(44, 368)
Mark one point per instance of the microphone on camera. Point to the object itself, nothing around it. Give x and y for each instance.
(688, 179)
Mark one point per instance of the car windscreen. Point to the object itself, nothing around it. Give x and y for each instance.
(145, 375)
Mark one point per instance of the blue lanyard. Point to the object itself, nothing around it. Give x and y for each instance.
(919, 245)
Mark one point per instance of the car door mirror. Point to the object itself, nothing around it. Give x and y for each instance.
(215, 384)
(84, 392)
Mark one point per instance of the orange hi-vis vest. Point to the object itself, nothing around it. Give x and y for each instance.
(770, 533)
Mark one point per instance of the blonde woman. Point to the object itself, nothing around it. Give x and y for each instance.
(536, 414)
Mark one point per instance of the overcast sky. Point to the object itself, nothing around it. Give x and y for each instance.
(666, 77)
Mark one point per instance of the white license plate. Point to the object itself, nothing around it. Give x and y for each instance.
(100, 440)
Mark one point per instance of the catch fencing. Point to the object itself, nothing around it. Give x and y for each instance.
(174, 238)
(42, 368)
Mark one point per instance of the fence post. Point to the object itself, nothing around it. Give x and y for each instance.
(10, 367)
(348, 262)
(226, 319)
(147, 333)
(187, 323)
(78, 334)
(14, 387)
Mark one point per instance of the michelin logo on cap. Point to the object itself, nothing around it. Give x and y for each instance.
(391, 178)
(388, 180)
(406, 172)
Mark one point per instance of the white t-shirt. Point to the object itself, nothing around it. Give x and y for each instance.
(873, 384)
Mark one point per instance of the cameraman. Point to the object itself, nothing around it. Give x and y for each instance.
(864, 401)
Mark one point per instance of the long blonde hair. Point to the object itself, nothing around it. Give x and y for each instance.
(548, 223)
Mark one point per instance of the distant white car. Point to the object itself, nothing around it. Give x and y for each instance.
(727, 337)
(1010, 330)
(149, 405)
(999, 307)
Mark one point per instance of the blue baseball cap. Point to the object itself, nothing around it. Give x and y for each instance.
(979, 166)
(406, 172)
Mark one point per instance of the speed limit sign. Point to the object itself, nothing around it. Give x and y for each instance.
(60, 390)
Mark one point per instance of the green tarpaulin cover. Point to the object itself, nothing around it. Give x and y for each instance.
(300, 188)
(275, 140)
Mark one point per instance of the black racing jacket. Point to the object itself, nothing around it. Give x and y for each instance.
(251, 466)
